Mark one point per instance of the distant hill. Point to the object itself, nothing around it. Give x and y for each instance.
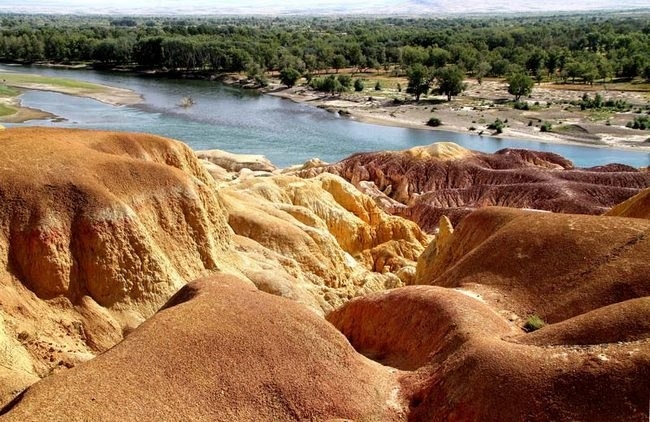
(370, 7)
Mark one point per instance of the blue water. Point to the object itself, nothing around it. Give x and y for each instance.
(242, 121)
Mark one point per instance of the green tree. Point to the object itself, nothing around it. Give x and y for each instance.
(289, 76)
(345, 81)
(419, 80)
(450, 81)
(338, 62)
(482, 70)
(358, 85)
(520, 84)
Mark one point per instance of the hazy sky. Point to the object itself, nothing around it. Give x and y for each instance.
(430, 7)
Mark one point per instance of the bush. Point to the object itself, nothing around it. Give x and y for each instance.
(289, 76)
(533, 323)
(378, 86)
(639, 122)
(328, 84)
(434, 122)
(521, 105)
(358, 85)
(345, 81)
(497, 126)
(546, 127)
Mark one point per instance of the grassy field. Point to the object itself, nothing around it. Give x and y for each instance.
(20, 79)
(7, 91)
(6, 110)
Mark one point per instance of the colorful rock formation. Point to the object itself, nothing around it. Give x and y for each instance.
(426, 183)
(99, 229)
(462, 339)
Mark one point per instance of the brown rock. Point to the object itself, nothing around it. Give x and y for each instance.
(463, 361)
(440, 180)
(99, 229)
(220, 351)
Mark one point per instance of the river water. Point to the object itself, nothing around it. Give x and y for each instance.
(242, 121)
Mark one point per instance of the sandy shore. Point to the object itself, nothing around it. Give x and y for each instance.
(482, 104)
(103, 93)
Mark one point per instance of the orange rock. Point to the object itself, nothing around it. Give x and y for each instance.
(221, 350)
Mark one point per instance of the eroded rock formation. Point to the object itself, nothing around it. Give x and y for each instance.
(221, 350)
(463, 344)
(426, 183)
(99, 229)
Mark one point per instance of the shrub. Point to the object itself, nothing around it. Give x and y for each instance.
(434, 122)
(497, 126)
(533, 323)
(546, 127)
(358, 85)
(289, 76)
(639, 122)
(345, 81)
(378, 86)
(521, 105)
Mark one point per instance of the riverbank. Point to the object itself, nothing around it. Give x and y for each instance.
(470, 113)
(482, 104)
(12, 83)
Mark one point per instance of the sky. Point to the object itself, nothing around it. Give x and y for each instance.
(268, 7)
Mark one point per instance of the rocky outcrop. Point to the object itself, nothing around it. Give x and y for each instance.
(236, 162)
(99, 229)
(637, 206)
(441, 180)
(461, 338)
(558, 266)
(220, 350)
(319, 233)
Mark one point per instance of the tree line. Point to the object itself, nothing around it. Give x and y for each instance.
(577, 48)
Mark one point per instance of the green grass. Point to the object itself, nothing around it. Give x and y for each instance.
(533, 323)
(7, 91)
(6, 110)
(20, 78)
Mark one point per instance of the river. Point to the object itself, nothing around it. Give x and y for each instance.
(242, 121)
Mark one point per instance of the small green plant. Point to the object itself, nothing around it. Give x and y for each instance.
(497, 126)
(434, 122)
(533, 323)
(378, 86)
(521, 105)
(546, 127)
(358, 85)
(639, 122)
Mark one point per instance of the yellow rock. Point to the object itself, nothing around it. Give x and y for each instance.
(440, 150)
(637, 206)
(99, 229)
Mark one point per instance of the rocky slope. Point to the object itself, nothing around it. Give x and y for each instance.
(98, 230)
(463, 342)
(424, 183)
(220, 350)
